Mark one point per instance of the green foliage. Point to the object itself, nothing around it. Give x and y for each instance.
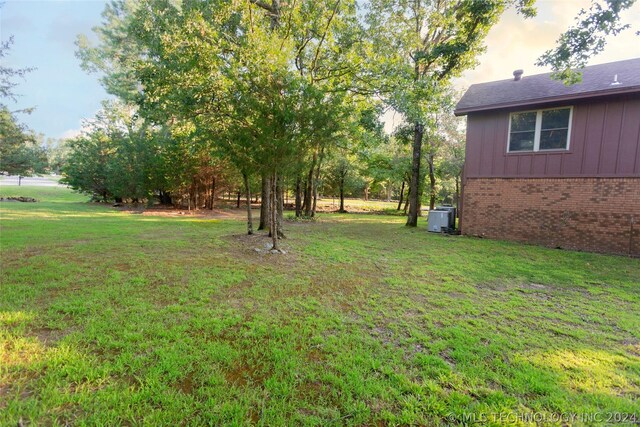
(585, 39)
(8, 74)
(20, 153)
(86, 170)
(416, 48)
(119, 157)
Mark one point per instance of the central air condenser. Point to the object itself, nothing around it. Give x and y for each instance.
(438, 221)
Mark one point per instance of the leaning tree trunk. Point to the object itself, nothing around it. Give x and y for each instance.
(245, 177)
(414, 186)
(401, 196)
(264, 206)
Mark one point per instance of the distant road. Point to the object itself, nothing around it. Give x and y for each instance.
(39, 181)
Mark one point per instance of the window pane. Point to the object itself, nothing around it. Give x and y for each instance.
(523, 122)
(553, 139)
(521, 141)
(554, 119)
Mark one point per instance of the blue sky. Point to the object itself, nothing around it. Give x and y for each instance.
(44, 34)
(64, 95)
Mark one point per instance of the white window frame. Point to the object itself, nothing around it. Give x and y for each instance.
(538, 130)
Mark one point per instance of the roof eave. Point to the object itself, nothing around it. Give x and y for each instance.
(537, 101)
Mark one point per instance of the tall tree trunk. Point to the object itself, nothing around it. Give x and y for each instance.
(432, 182)
(316, 181)
(342, 196)
(280, 208)
(275, 14)
(414, 186)
(273, 211)
(457, 202)
(245, 178)
(308, 194)
(401, 196)
(298, 198)
(406, 203)
(212, 195)
(264, 205)
(303, 208)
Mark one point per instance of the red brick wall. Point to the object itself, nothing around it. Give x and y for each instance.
(592, 214)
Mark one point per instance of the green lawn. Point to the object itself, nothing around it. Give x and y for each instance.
(112, 318)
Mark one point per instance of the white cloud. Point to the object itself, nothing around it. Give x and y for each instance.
(70, 134)
(516, 43)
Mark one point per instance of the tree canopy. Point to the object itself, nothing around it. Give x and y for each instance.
(585, 39)
(286, 97)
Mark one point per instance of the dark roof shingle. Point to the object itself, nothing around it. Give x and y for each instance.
(541, 88)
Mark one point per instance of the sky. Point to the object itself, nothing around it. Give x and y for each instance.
(44, 33)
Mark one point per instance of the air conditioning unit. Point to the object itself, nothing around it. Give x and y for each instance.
(452, 215)
(438, 221)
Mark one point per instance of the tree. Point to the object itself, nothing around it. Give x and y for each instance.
(57, 152)
(86, 170)
(418, 46)
(122, 157)
(585, 39)
(338, 173)
(20, 153)
(8, 74)
(264, 83)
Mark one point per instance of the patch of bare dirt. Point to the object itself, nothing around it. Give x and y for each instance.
(243, 373)
(222, 212)
(448, 359)
(185, 385)
(47, 336)
(256, 248)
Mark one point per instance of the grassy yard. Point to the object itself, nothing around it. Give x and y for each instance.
(113, 318)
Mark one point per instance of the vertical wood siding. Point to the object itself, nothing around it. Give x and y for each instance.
(604, 142)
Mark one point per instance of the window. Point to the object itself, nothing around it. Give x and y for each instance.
(540, 130)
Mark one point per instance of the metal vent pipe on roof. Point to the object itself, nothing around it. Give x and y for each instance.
(615, 81)
(517, 75)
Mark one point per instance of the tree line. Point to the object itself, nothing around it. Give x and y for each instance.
(285, 98)
(282, 92)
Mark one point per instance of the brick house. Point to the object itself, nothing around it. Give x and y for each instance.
(555, 165)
